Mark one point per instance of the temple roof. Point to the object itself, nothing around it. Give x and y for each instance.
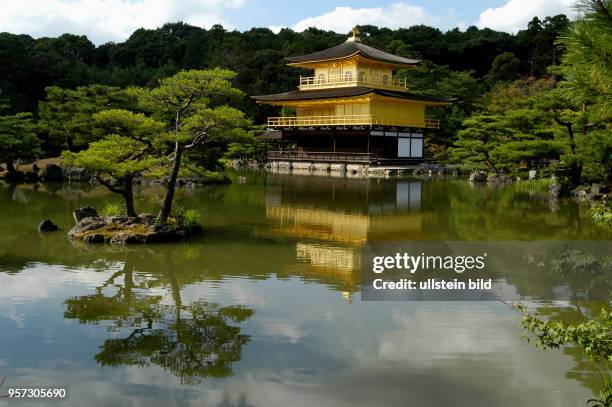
(350, 48)
(345, 92)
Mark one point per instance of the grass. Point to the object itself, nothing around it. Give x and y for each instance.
(190, 219)
(112, 209)
(532, 185)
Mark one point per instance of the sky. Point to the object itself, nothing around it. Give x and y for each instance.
(114, 20)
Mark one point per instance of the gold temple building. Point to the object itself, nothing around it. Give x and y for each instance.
(352, 110)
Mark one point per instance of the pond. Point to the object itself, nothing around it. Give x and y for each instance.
(264, 308)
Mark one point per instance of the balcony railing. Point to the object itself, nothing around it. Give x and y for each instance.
(321, 82)
(349, 120)
(315, 156)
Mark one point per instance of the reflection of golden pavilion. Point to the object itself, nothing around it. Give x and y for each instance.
(342, 227)
(319, 224)
(340, 258)
(333, 217)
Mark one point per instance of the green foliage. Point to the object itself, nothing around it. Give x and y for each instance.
(523, 121)
(587, 63)
(66, 116)
(595, 150)
(188, 219)
(28, 65)
(112, 209)
(17, 139)
(601, 212)
(428, 78)
(505, 67)
(114, 155)
(127, 150)
(244, 149)
(4, 104)
(194, 106)
(535, 46)
(592, 336)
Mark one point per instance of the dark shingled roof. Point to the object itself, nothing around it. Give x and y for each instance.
(345, 92)
(270, 135)
(350, 48)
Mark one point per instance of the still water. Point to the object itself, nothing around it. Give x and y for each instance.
(264, 309)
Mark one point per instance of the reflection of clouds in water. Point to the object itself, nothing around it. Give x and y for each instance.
(281, 329)
(18, 317)
(39, 281)
(426, 335)
(27, 285)
(414, 353)
(377, 386)
(231, 291)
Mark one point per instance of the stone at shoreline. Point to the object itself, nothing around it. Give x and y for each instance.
(532, 174)
(52, 173)
(478, 176)
(554, 191)
(593, 192)
(84, 212)
(93, 238)
(47, 226)
(580, 192)
(76, 174)
(498, 178)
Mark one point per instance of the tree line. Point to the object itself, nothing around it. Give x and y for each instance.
(28, 66)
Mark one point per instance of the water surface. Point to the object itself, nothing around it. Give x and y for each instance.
(264, 309)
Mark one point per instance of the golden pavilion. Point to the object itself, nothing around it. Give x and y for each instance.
(352, 110)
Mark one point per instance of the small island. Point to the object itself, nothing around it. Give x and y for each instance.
(144, 228)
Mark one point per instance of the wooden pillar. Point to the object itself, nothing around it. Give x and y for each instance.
(334, 138)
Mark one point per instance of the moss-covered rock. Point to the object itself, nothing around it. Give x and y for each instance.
(128, 230)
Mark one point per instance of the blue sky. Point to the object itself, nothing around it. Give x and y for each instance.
(276, 13)
(115, 20)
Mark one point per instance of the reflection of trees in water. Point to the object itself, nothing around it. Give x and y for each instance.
(193, 341)
(199, 345)
(490, 213)
(561, 270)
(590, 274)
(590, 373)
(584, 272)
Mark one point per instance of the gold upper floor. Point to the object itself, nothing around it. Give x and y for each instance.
(353, 71)
(352, 64)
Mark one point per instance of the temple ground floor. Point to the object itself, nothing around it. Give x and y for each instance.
(372, 146)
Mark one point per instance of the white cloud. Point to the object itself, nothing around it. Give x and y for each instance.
(515, 14)
(107, 20)
(276, 28)
(342, 19)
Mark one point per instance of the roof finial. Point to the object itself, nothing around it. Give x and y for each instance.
(355, 36)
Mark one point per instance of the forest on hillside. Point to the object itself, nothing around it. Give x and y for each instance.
(28, 65)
